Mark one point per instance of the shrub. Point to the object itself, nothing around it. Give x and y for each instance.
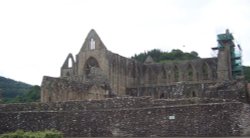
(38, 134)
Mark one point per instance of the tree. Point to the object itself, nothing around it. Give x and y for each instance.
(161, 56)
(32, 95)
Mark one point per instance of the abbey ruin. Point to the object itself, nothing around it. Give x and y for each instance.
(100, 93)
(97, 73)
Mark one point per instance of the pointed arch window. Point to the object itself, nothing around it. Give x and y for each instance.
(92, 44)
(164, 74)
(190, 73)
(132, 70)
(150, 75)
(70, 63)
(176, 74)
(90, 63)
(205, 71)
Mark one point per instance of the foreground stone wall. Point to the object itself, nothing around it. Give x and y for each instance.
(156, 119)
(110, 103)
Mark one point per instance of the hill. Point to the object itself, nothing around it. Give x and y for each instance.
(11, 88)
(16, 91)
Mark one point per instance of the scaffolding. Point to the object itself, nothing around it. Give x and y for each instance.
(235, 52)
(236, 60)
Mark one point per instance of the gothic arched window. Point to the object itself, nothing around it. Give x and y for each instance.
(91, 62)
(164, 74)
(190, 73)
(204, 71)
(176, 74)
(92, 44)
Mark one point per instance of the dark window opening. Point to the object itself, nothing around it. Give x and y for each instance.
(176, 74)
(67, 74)
(162, 96)
(205, 71)
(164, 74)
(194, 94)
(190, 73)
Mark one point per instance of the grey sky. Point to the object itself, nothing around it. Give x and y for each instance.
(36, 36)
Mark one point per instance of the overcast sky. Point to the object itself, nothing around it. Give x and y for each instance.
(36, 36)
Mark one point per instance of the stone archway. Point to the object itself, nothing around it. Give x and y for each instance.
(69, 62)
(90, 63)
(190, 73)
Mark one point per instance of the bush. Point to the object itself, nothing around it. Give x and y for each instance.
(38, 134)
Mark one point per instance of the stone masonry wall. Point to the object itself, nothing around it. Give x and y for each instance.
(109, 103)
(198, 119)
(57, 89)
(235, 90)
(122, 72)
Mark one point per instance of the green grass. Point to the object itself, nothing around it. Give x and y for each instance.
(38, 134)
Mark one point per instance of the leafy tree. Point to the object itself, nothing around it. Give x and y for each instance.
(161, 56)
(12, 91)
(32, 95)
(11, 88)
(176, 55)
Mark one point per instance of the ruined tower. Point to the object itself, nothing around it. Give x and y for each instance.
(225, 44)
(229, 66)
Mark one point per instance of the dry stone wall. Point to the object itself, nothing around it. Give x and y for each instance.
(128, 117)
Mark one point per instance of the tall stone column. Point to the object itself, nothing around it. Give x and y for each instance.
(225, 49)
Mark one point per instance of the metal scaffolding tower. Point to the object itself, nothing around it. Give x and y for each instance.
(235, 52)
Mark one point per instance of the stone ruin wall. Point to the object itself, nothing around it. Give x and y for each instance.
(130, 73)
(234, 90)
(129, 117)
(248, 88)
(122, 73)
(193, 101)
(57, 89)
(125, 73)
(122, 76)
